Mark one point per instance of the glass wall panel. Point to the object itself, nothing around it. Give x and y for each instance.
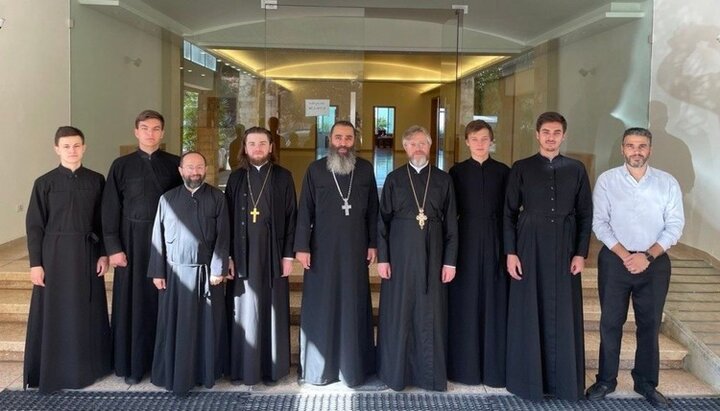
(597, 75)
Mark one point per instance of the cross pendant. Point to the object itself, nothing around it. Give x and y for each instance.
(346, 207)
(254, 213)
(421, 218)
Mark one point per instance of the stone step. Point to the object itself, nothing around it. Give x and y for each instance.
(12, 340)
(673, 383)
(671, 352)
(15, 305)
(12, 345)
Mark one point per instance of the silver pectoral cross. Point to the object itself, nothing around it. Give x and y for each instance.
(346, 207)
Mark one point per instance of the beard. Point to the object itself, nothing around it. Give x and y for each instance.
(418, 160)
(338, 163)
(636, 161)
(258, 162)
(194, 181)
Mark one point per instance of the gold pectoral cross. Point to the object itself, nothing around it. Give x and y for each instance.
(421, 218)
(254, 213)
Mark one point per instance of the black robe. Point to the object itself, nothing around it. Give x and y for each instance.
(547, 221)
(134, 185)
(190, 242)
(477, 298)
(68, 336)
(412, 334)
(336, 329)
(258, 299)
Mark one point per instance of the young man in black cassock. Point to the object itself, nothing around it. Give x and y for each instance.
(477, 298)
(188, 262)
(417, 249)
(134, 185)
(337, 228)
(547, 223)
(261, 200)
(68, 335)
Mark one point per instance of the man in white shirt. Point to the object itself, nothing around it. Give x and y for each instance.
(638, 216)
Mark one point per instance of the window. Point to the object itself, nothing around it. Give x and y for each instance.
(198, 56)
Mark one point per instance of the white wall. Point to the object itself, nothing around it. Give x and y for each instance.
(603, 87)
(685, 111)
(35, 96)
(118, 69)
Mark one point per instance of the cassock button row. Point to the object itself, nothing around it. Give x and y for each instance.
(552, 209)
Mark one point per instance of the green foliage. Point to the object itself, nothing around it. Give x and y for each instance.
(485, 80)
(190, 120)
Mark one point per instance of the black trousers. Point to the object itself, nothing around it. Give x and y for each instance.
(648, 290)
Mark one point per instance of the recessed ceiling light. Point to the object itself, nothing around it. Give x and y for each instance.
(189, 70)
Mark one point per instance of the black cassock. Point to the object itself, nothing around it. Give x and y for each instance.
(548, 218)
(258, 298)
(412, 334)
(477, 297)
(134, 185)
(336, 329)
(68, 336)
(190, 242)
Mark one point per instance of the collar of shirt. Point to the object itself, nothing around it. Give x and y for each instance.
(260, 166)
(67, 171)
(146, 155)
(648, 174)
(193, 190)
(418, 169)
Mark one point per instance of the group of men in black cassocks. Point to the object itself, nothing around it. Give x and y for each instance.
(201, 278)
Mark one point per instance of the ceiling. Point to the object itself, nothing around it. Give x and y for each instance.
(382, 40)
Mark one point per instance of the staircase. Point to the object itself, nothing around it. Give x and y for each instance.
(15, 291)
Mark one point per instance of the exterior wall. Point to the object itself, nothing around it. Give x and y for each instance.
(35, 90)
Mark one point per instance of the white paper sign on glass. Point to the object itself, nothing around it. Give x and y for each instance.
(317, 107)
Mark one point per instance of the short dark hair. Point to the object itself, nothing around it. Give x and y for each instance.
(477, 125)
(550, 117)
(150, 114)
(68, 131)
(343, 123)
(182, 158)
(242, 155)
(637, 131)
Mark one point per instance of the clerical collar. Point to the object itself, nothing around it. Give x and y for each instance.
(419, 169)
(146, 155)
(67, 170)
(193, 190)
(548, 159)
(260, 166)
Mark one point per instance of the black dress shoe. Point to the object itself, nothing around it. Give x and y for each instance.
(598, 391)
(656, 399)
(132, 380)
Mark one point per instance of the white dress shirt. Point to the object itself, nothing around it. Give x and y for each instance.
(637, 214)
